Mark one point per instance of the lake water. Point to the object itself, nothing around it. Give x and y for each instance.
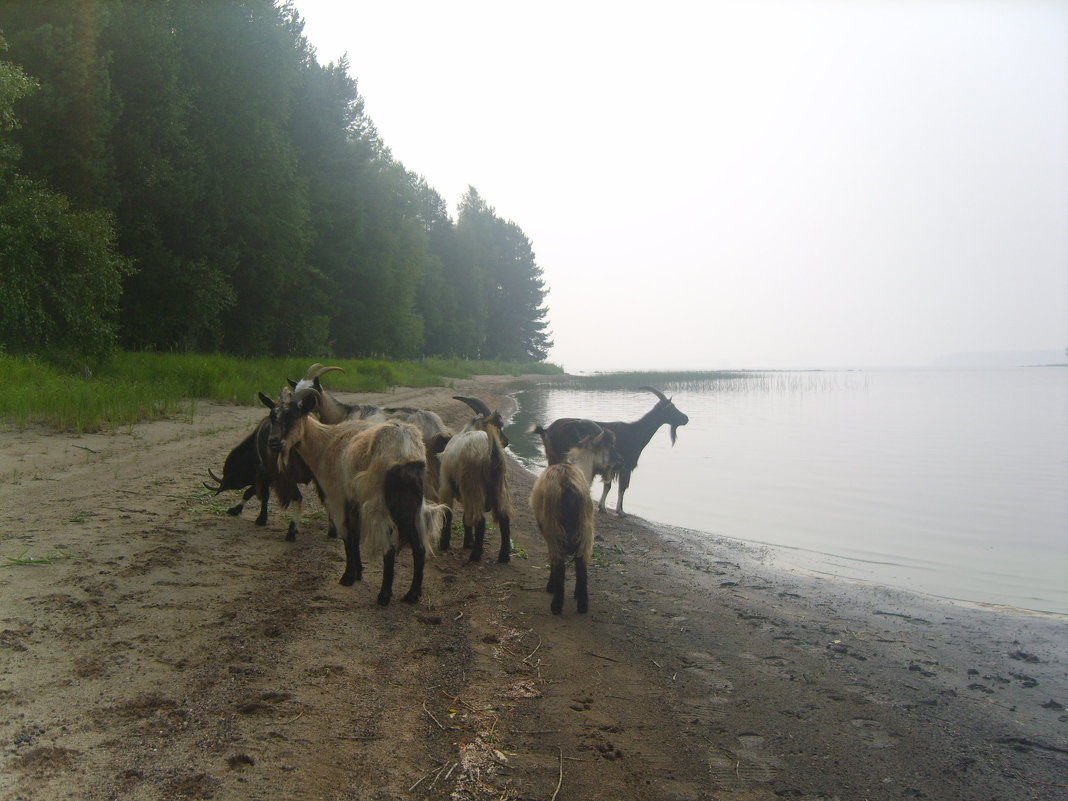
(950, 483)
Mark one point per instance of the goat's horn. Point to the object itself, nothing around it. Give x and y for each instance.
(481, 408)
(217, 480)
(656, 392)
(317, 370)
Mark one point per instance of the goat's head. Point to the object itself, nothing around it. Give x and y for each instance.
(666, 411)
(287, 417)
(311, 377)
(490, 422)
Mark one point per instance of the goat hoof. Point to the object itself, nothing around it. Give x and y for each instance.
(583, 608)
(503, 559)
(411, 598)
(261, 521)
(291, 536)
(383, 598)
(475, 557)
(348, 581)
(234, 511)
(556, 609)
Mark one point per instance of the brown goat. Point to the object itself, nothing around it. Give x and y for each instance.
(473, 470)
(563, 510)
(373, 479)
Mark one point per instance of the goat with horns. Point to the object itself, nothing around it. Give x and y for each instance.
(562, 435)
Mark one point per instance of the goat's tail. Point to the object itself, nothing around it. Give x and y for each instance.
(400, 515)
(498, 499)
(536, 429)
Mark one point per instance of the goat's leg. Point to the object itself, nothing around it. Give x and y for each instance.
(388, 563)
(605, 487)
(446, 531)
(480, 536)
(505, 525)
(350, 529)
(556, 581)
(295, 507)
(265, 494)
(331, 530)
(582, 597)
(624, 482)
(469, 536)
(418, 563)
(235, 510)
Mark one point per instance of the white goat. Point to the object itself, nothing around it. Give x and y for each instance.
(473, 470)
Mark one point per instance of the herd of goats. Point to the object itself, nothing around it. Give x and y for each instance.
(388, 477)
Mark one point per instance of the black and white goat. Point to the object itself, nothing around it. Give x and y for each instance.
(631, 438)
(330, 409)
(473, 470)
(373, 476)
(563, 510)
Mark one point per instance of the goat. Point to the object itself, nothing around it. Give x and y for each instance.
(435, 433)
(473, 469)
(330, 409)
(631, 438)
(436, 436)
(563, 510)
(252, 464)
(372, 475)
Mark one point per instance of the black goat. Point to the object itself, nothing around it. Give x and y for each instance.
(252, 464)
(562, 435)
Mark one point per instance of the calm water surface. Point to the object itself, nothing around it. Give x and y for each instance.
(952, 483)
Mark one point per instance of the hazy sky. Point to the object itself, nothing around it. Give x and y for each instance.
(745, 184)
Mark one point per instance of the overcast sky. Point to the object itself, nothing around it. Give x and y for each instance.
(745, 184)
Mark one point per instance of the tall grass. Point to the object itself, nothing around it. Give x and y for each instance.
(771, 381)
(148, 386)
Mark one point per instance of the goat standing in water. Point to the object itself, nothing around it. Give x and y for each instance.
(631, 438)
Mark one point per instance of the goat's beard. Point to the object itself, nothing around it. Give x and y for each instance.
(674, 429)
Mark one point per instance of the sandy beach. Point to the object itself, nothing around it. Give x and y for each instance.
(169, 651)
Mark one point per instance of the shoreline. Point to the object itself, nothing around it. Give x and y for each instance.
(180, 653)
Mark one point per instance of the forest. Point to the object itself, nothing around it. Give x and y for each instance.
(185, 176)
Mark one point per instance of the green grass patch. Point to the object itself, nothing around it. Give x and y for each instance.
(135, 387)
(23, 560)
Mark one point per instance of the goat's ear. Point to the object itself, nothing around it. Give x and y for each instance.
(308, 402)
(267, 401)
(292, 383)
(437, 445)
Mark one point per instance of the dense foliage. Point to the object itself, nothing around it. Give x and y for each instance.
(191, 173)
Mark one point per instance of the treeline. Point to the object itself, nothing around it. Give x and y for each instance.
(184, 175)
